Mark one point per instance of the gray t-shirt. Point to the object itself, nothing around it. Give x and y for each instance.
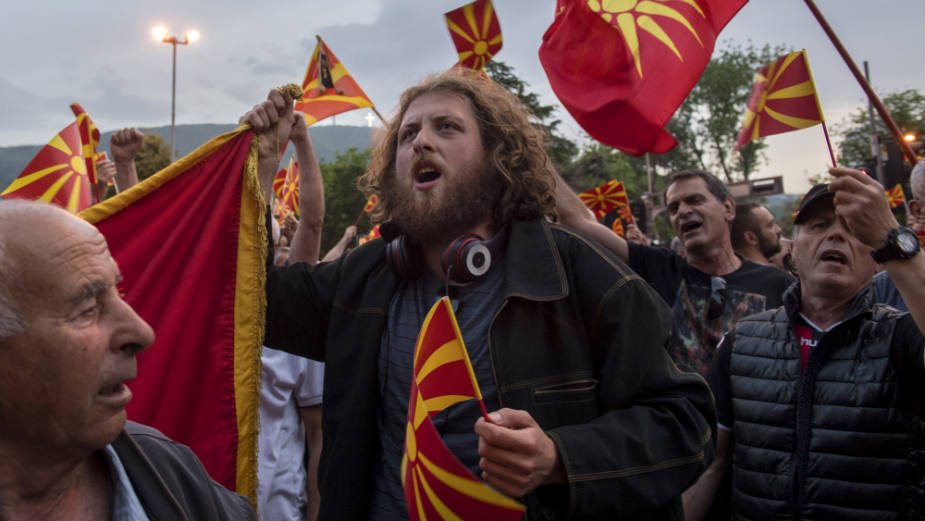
(475, 306)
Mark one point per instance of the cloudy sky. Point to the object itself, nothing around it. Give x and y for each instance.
(101, 54)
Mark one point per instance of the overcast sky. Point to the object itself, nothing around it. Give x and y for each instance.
(101, 54)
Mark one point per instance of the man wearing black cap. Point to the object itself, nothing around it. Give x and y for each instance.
(822, 401)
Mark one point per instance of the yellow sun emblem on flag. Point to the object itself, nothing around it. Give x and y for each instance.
(629, 16)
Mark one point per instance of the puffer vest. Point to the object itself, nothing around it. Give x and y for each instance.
(834, 444)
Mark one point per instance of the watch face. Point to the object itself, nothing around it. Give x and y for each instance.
(907, 242)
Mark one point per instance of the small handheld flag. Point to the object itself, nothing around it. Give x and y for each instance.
(605, 198)
(328, 88)
(476, 33)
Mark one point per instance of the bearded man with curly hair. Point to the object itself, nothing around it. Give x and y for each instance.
(590, 419)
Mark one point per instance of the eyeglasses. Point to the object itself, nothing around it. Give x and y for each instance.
(717, 304)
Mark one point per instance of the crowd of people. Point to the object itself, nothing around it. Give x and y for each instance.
(736, 375)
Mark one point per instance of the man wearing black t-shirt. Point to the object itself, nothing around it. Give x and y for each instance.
(712, 287)
(821, 402)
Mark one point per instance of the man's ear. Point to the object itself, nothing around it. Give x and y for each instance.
(751, 238)
(917, 209)
(730, 209)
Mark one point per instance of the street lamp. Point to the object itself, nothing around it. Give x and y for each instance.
(162, 34)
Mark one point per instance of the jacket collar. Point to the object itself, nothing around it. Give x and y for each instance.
(861, 304)
(533, 267)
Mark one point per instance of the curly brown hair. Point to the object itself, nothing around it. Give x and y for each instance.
(514, 148)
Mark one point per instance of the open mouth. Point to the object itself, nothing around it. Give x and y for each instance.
(427, 175)
(688, 226)
(834, 256)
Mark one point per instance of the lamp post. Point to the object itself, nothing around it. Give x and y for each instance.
(163, 34)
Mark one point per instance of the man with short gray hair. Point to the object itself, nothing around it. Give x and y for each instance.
(67, 350)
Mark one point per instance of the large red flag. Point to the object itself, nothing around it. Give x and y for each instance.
(328, 88)
(623, 68)
(190, 242)
(782, 99)
(57, 174)
(476, 33)
(437, 485)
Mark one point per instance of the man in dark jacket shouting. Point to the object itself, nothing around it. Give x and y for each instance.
(590, 419)
(821, 402)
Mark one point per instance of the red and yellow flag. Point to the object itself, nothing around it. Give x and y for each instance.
(371, 203)
(623, 68)
(373, 234)
(437, 485)
(57, 174)
(286, 189)
(605, 198)
(617, 227)
(89, 138)
(191, 244)
(328, 88)
(783, 99)
(626, 213)
(476, 33)
(895, 196)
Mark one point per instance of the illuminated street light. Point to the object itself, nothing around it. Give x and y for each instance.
(909, 138)
(161, 33)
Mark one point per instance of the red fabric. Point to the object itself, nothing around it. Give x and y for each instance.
(177, 250)
(605, 198)
(328, 88)
(895, 196)
(806, 336)
(90, 137)
(64, 180)
(476, 33)
(453, 376)
(619, 100)
(770, 104)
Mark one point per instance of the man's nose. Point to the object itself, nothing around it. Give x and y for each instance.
(421, 141)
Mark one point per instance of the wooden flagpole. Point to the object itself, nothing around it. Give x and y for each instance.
(871, 95)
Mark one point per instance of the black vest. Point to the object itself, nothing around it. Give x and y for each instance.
(835, 444)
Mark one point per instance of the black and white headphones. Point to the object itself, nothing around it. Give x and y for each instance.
(465, 260)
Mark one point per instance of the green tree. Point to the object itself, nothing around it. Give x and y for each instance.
(342, 200)
(561, 150)
(907, 108)
(153, 156)
(708, 122)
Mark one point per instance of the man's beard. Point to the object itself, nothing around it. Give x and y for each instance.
(434, 217)
(769, 248)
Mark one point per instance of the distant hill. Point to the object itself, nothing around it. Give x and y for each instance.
(329, 140)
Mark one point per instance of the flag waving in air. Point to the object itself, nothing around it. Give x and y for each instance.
(783, 99)
(895, 196)
(623, 68)
(371, 203)
(328, 88)
(476, 33)
(89, 138)
(286, 189)
(605, 198)
(191, 244)
(437, 485)
(57, 174)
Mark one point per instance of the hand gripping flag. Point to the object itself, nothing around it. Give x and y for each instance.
(783, 99)
(328, 88)
(605, 198)
(286, 189)
(89, 138)
(623, 68)
(57, 174)
(896, 197)
(437, 485)
(476, 33)
(191, 244)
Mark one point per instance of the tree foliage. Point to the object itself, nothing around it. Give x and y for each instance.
(561, 150)
(907, 108)
(153, 156)
(343, 201)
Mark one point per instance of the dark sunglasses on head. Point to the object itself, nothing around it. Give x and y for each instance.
(717, 303)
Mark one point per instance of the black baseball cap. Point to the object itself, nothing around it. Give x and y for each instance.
(813, 196)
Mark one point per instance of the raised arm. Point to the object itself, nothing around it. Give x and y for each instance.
(272, 122)
(860, 201)
(125, 145)
(306, 242)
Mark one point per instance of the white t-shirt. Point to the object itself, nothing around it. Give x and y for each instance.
(288, 383)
